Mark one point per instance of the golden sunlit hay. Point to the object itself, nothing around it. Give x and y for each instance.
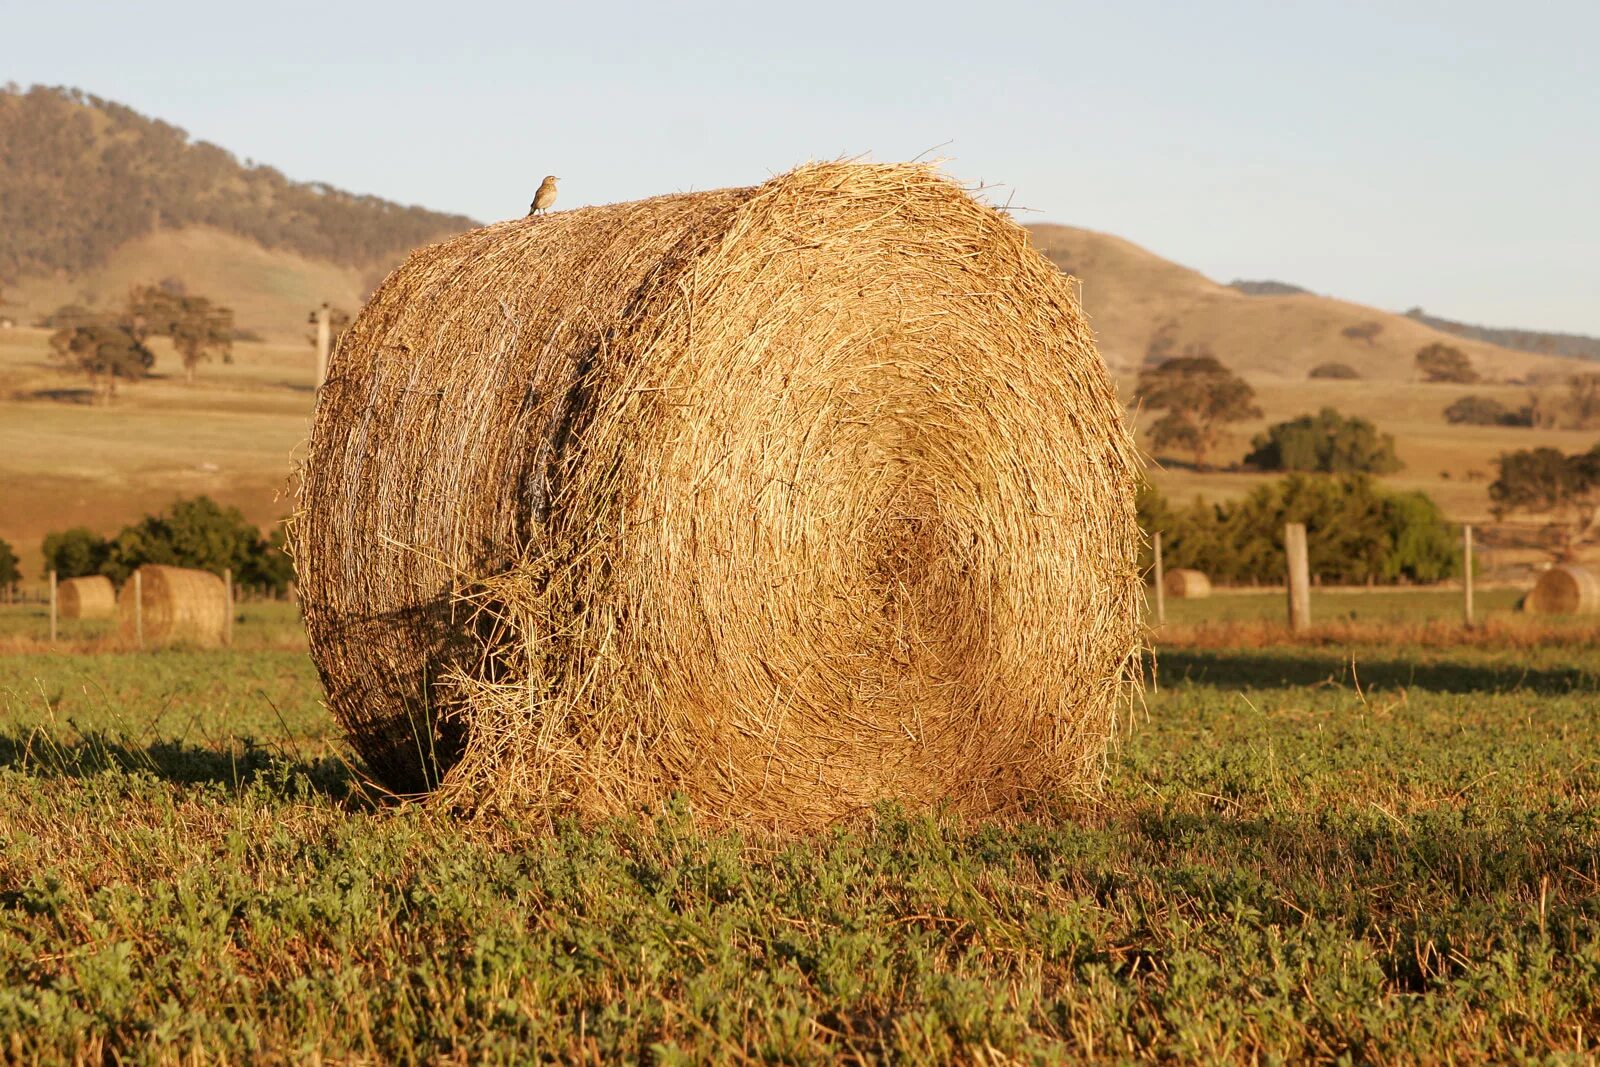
(1186, 583)
(180, 606)
(91, 597)
(1565, 591)
(789, 499)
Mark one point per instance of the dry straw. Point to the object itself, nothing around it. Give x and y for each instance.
(180, 606)
(788, 499)
(1565, 591)
(1185, 583)
(91, 597)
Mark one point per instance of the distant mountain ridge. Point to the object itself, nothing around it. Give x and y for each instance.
(81, 176)
(1568, 345)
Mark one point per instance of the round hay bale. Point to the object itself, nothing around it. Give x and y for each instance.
(1187, 583)
(1564, 591)
(787, 499)
(91, 597)
(181, 606)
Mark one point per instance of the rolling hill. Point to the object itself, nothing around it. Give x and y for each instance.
(95, 197)
(1143, 306)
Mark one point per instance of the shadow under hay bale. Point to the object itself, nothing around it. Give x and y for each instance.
(1564, 591)
(789, 499)
(92, 597)
(180, 606)
(1187, 584)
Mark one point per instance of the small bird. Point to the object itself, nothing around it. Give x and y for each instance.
(545, 196)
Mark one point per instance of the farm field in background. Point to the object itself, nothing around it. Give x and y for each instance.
(237, 433)
(67, 462)
(1290, 860)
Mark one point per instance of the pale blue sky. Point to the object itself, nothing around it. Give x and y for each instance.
(1442, 154)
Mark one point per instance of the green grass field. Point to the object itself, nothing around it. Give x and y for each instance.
(1290, 862)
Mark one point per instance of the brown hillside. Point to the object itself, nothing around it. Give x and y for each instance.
(271, 291)
(1138, 301)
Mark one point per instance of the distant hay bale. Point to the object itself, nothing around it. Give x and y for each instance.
(1186, 583)
(1564, 591)
(788, 499)
(181, 606)
(92, 597)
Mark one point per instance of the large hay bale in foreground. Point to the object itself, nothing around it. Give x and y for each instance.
(1186, 584)
(91, 597)
(1564, 591)
(181, 606)
(788, 498)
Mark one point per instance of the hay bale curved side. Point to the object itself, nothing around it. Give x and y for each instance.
(1564, 591)
(790, 499)
(180, 606)
(1187, 583)
(90, 597)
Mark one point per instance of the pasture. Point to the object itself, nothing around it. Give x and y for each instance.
(1348, 848)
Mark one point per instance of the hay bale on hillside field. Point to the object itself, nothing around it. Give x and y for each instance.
(1564, 591)
(181, 606)
(91, 597)
(1186, 583)
(788, 499)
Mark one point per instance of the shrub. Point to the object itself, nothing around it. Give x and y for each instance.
(1487, 411)
(75, 553)
(1334, 370)
(1328, 443)
(1355, 532)
(1445, 363)
(10, 568)
(198, 533)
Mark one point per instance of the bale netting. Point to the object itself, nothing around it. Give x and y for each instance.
(785, 499)
(1564, 591)
(91, 597)
(1186, 583)
(179, 606)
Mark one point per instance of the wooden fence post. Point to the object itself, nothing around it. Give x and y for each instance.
(227, 587)
(1466, 577)
(138, 606)
(1294, 545)
(1161, 587)
(52, 605)
(324, 342)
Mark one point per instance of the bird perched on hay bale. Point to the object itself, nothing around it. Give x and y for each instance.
(544, 196)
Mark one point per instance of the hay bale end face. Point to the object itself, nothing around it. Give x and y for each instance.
(179, 606)
(91, 597)
(788, 499)
(1187, 584)
(1564, 591)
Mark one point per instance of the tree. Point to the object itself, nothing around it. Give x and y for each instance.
(1445, 363)
(1487, 411)
(75, 553)
(10, 570)
(1334, 370)
(1326, 443)
(107, 354)
(1363, 331)
(1583, 399)
(1200, 397)
(198, 327)
(1544, 481)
